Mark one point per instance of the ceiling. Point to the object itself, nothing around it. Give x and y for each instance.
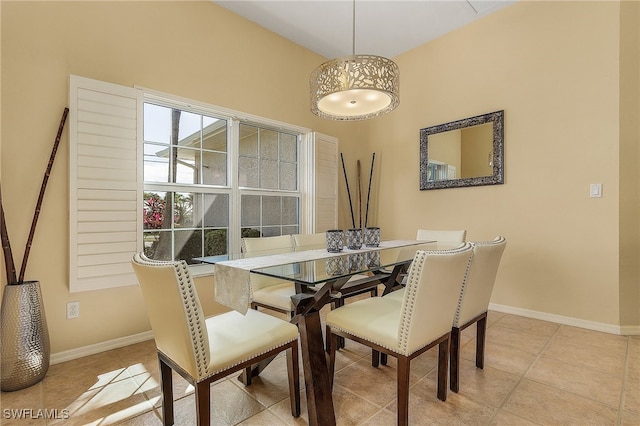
(383, 27)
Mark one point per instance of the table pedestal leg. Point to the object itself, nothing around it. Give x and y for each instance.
(316, 373)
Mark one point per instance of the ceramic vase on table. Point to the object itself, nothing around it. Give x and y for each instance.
(24, 337)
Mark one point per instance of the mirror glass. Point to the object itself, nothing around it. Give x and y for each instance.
(467, 152)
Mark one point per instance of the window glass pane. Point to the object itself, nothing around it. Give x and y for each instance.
(289, 230)
(268, 144)
(216, 208)
(188, 166)
(215, 242)
(188, 244)
(248, 141)
(154, 210)
(290, 215)
(288, 147)
(156, 163)
(184, 215)
(250, 211)
(271, 231)
(189, 128)
(214, 134)
(157, 124)
(214, 168)
(271, 210)
(248, 172)
(288, 176)
(268, 174)
(250, 232)
(158, 245)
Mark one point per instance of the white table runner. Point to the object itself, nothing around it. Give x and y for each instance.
(232, 287)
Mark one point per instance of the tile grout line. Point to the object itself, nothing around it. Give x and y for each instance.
(586, 397)
(589, 398)
(523, 376)
(625, 376)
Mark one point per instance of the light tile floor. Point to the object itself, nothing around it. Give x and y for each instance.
(536, 372)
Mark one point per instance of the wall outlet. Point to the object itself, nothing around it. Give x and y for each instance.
(73, 310)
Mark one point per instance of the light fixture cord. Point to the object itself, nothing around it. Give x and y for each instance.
(353, 49)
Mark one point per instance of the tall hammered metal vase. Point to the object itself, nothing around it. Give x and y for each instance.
(24, 337)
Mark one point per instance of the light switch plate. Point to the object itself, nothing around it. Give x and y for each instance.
(595, 190)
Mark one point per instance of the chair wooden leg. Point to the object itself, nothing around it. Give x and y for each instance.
(246, 375)
(341, 340)
(293, 372)
(166, 382)
(481, 327)
(203, 405)
(378, 358)
(454, 359)
(403, 390)
(332, 346)
(443, 370)
(383, 358)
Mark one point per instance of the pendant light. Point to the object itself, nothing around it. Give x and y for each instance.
(355, 87)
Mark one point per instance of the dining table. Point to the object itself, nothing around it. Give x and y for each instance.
(318, 276)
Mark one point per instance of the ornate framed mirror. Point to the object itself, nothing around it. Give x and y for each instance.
(467, 152)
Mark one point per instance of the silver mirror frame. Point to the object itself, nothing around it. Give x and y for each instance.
(497, 178)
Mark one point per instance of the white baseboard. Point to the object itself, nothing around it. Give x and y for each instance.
(100, 347)
(589, 325)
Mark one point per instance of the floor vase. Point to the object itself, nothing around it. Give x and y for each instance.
(24, 337)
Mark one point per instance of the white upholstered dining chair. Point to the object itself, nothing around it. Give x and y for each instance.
(445, 239)
(203, 350)
(408, 329)
(268, 292)
(473, 302)
(317, 240)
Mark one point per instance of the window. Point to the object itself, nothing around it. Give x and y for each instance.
(189, 193)
(180, 179)
(268, 165)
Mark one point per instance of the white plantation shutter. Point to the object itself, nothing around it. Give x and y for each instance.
(105, 201)
(325, 188)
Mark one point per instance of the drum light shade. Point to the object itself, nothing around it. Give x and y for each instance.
(355, 87)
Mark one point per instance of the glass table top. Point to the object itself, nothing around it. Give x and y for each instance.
(317, 271)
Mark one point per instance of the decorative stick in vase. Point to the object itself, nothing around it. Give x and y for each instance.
(366, 215)
(346, 179)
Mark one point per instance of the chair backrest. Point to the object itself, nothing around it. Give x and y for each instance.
(430, 296)
(175, 313)
(310, 241)
(263, 246)
(475, 293)
(446, 239)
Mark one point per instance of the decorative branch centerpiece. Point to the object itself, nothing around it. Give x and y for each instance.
(23, 327)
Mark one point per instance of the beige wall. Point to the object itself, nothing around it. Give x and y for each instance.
(553, 68)
(629, 169)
